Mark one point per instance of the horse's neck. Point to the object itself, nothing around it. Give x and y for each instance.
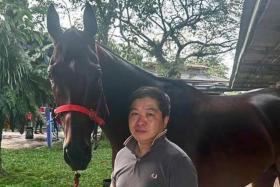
(119, 75)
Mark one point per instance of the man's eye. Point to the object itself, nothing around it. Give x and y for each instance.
(150, 114)
(133, 113)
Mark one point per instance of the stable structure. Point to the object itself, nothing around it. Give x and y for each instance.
(257, 58)
(197, 76)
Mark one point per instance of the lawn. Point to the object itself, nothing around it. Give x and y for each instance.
(44, 167)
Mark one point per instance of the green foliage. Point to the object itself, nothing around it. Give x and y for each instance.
(8, 99)
(46, 167)
(127, 52)
(23, 77)
(14, 61)
(15, 103)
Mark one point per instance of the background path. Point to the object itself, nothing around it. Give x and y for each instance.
(15, 140)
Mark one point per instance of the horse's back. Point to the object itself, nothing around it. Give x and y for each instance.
(227, 136)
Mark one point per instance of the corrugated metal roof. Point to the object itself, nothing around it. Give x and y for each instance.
(257, 58)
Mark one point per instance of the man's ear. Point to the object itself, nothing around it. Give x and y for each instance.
(165, 121)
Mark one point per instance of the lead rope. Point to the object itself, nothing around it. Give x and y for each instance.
(76, 178)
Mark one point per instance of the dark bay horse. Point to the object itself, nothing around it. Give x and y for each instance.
(233, 140)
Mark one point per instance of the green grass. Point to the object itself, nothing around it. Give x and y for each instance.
(44, 167)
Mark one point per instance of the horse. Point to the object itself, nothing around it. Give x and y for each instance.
(232, 140)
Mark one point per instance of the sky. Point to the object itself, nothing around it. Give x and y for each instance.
(228, 59)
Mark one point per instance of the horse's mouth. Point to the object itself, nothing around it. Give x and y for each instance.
(75, 162)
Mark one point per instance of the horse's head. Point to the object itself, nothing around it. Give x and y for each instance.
(75, 77)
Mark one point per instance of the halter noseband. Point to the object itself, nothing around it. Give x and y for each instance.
(78, 108)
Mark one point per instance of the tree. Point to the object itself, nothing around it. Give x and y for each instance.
(20, 78)
(170, 32)
(128, 53)
(176, 32)
(105, 14)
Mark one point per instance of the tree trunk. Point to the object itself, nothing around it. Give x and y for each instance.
(2, 171)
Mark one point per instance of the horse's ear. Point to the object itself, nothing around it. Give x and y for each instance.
(90, 24)
(53, 23)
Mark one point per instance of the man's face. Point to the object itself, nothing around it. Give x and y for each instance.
(146, 120)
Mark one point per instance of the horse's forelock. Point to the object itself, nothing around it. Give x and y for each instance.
(75, 38)
(76, 44)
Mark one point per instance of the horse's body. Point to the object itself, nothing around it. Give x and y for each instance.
(233, 140)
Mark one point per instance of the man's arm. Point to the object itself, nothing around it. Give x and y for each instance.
(112, 184)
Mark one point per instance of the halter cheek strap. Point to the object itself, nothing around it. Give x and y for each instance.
(78, 108)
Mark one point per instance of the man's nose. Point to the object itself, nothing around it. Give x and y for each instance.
(141, 119)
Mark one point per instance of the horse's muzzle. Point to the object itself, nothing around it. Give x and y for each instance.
(78, 158)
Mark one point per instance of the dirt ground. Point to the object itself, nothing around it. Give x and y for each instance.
(15, 140)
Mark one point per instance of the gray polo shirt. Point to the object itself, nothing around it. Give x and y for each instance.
(165, 165)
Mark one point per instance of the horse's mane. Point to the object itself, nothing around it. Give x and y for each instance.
(175, 82)
(123, 61)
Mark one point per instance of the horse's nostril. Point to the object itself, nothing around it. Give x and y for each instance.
(78, 158)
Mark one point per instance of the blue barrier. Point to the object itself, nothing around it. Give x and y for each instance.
(49, 126)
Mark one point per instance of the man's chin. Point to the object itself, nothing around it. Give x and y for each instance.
(140, 135)
(144, 140)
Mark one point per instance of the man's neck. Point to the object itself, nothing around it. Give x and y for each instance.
(142, 149)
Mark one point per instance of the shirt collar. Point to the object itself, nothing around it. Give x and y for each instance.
(131, 143)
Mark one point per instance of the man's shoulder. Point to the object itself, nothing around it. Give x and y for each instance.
(124, 154)
(123, 151)
(124, 159)
(178, 157)
(174, 150)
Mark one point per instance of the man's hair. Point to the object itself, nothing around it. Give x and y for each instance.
(161, 97)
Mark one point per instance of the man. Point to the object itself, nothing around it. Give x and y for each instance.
(149, 159)
(39, 124)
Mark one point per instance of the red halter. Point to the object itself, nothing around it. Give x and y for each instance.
(78, 108)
